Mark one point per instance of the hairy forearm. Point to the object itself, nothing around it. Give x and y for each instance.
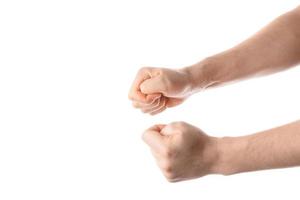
(274, 48)
(275, 148)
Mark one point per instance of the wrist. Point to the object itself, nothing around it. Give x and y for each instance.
(215, 70)
(230, 155)
(202, 75)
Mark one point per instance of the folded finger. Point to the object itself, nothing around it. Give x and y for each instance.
(161, 108)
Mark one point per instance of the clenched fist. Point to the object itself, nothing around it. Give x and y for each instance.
(155, 89)
(182, 151)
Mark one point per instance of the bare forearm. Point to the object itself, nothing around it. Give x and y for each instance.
(275, 148)
(274, 48)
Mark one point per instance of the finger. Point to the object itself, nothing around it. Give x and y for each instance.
(151, 99)
(137, 104)
(135, 93)
(155, 141)
(154, 106)
(159, 108)
(174, 102)
(157, 127)
(159, 159)
(145, 107)
(153, 85)
(170, 129)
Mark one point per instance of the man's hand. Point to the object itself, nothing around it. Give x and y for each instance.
(182, 151)
(185, 152)
(155, 89)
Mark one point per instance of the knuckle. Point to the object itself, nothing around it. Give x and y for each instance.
(174, 124)
(170, 176)
(152, 113)
(167, 166)
(130, 96)
(179, 125)
(172, 180)
(144, 136)
(134, 104)
(168, 152)
(155, 112)
(148, 101)
(152, 100)
(144, 110)
(142, 70)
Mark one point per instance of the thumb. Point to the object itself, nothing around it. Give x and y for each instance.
(153, 138)
(152, 85)
(168, 130)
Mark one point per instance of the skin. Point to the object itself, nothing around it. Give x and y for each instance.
(185, 152)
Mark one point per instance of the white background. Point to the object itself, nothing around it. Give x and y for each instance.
(67, 129)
